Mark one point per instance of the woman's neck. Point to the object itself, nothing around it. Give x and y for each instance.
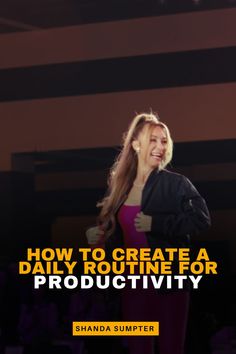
(142, 175)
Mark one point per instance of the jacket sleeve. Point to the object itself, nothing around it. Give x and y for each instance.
(192, 217)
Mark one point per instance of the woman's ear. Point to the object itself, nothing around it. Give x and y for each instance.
(136, 145)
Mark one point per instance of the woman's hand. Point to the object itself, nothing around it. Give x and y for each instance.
(94, 235)
(143, 222)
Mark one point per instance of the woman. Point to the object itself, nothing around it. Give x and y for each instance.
(148, 206)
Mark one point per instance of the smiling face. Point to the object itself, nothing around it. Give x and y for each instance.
(151, 145)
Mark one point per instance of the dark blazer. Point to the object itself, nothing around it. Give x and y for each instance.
(177, 209)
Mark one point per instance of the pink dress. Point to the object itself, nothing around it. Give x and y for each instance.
(132, 238)
(149, 305)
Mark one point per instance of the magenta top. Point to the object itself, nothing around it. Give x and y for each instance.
(132, 237)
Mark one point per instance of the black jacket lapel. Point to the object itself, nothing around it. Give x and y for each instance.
(147, 190)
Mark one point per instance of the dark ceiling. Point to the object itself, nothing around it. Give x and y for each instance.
(28, 15)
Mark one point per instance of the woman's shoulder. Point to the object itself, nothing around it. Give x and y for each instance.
(175, 179)
(172, 175)
(178, 181)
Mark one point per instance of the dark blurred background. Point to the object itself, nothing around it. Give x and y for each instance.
(73, 74)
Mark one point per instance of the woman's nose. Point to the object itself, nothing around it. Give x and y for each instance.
(159, 145)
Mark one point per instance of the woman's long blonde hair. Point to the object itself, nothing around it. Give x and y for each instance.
(124, 170)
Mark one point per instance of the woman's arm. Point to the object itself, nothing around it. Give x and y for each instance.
(193, 217)
(95, 236)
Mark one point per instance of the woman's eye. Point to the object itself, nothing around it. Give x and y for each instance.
(154, 140)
